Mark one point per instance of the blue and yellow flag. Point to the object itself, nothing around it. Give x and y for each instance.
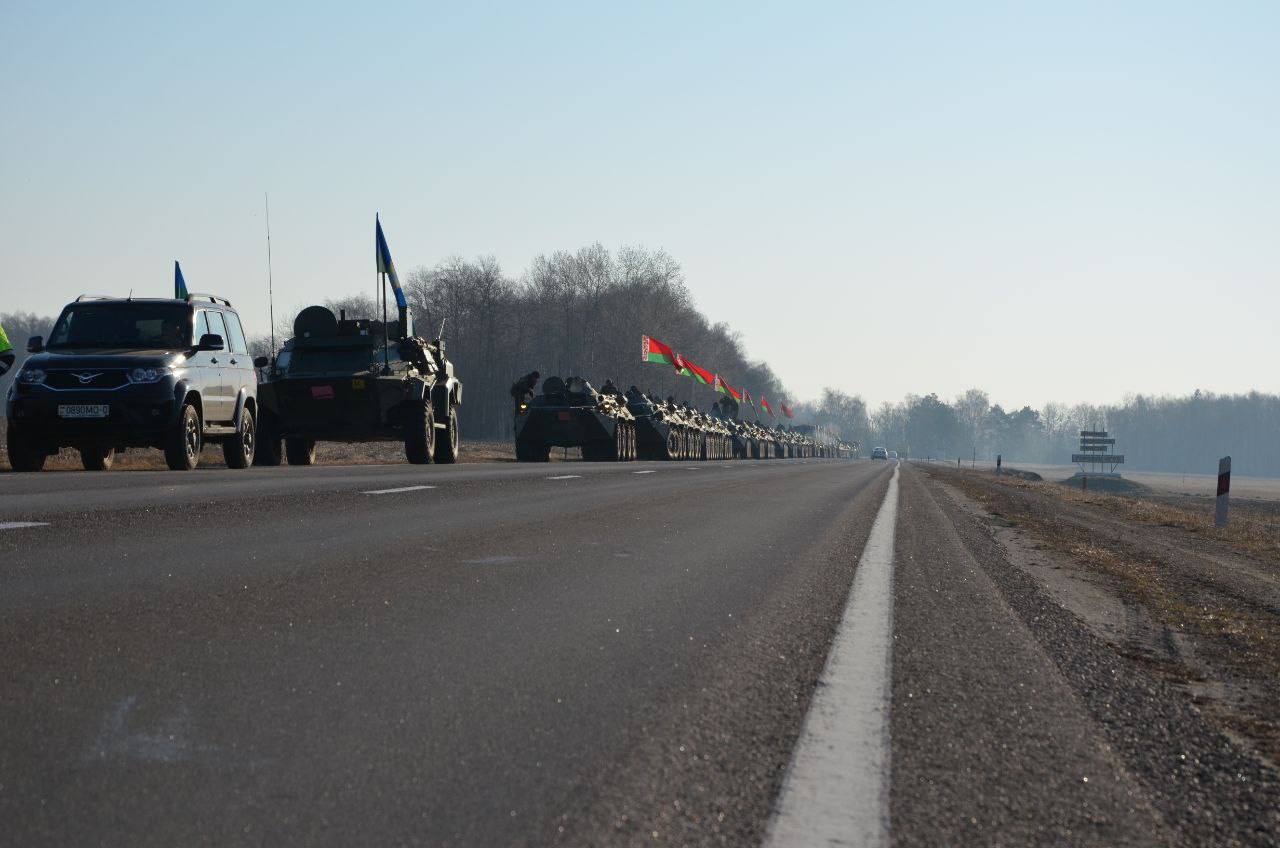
(179, 284)
(385, 265)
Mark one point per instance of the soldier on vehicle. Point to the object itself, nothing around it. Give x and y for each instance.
(6, 353)
(522, 389)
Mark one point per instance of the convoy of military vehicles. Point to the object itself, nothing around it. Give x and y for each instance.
(175, 374)
(608, 425)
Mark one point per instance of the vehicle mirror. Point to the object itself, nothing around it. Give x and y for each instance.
(261, 362)
(211, 341)
(35, 344)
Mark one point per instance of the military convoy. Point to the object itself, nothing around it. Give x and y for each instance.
(355, 380)
(610, 426)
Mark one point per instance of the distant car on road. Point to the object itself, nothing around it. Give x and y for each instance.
(893, 454)
(879, 453)
(130, 372)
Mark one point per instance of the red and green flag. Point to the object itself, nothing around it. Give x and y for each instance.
(725, 389)
(746, 394)
(699, 373)
(681, 365)
(764, 403)
(652, 350)
(786, 410)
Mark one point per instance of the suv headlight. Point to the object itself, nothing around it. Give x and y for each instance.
(31, 376)
(151, 375)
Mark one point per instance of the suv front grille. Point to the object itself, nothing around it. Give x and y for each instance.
(87, 378)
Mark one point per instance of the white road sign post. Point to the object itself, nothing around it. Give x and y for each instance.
(1224, 492)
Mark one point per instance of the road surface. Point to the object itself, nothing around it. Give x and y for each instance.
(574, 654)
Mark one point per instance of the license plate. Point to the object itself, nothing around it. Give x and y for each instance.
(566, 416)
(358, 385)
(83, 410)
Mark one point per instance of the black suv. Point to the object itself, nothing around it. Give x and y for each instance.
(156, 373)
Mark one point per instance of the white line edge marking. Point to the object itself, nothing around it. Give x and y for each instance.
(397, 491)
(645, 472)
(19, 525)
(836, 791)
(566, 477)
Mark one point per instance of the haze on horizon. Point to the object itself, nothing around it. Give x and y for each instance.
(1068, 204)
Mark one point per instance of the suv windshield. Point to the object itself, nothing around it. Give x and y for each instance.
(130, 325)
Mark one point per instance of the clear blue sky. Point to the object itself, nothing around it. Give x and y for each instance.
(1052, 202)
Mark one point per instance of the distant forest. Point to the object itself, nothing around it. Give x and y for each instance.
(584, 313)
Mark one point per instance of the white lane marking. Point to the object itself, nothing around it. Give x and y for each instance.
(836, 791)
(566, 477)
(397, 491)
(18, 525)
(644, 472)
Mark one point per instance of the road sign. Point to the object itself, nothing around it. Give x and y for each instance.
(1095, 447)
(1099, 458)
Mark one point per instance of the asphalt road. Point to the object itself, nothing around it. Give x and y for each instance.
(579, 654)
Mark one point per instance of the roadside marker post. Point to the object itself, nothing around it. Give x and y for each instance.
(999, 458)
(1224, 492)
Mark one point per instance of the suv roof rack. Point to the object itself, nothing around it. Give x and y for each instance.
(213, 298)
(94, 297)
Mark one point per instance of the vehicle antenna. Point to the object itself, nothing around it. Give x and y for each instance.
(271, 306)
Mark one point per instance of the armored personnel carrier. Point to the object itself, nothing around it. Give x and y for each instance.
(571, 413)
(354, 380)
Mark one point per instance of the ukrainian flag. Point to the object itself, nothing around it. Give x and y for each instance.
(385, 265)
(179, 284)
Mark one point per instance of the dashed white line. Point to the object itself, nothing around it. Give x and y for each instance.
(644, 472)
(18, 525)
(566, 477)
(397, 491)
(836, 791)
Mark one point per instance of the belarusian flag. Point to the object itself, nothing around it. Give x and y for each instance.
(725, 389)
(787, 411)
(764, 403)
(652, 350)
(750, 399)
(700, 374)
(681, 365)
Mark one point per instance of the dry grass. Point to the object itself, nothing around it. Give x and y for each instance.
(1144, 572)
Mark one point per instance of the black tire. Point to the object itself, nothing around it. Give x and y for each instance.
(185, 439)
(619, 453)
(420, 440)
(300, 451)
(97, 458)
(24, 454)
(268, 451)
(447, 446)
(673, 444)
(239, 450)
(532, 453)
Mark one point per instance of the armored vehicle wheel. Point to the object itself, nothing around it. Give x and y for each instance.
(267, 451)
(184, 440)
(300, 451)
(673, 443)
(97, 458)
(420, 438)
(447, 445)
(619, 442)
(24, 454)
(238, 450)
(532, 453)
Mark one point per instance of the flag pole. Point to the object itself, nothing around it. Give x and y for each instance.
(271, 304)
